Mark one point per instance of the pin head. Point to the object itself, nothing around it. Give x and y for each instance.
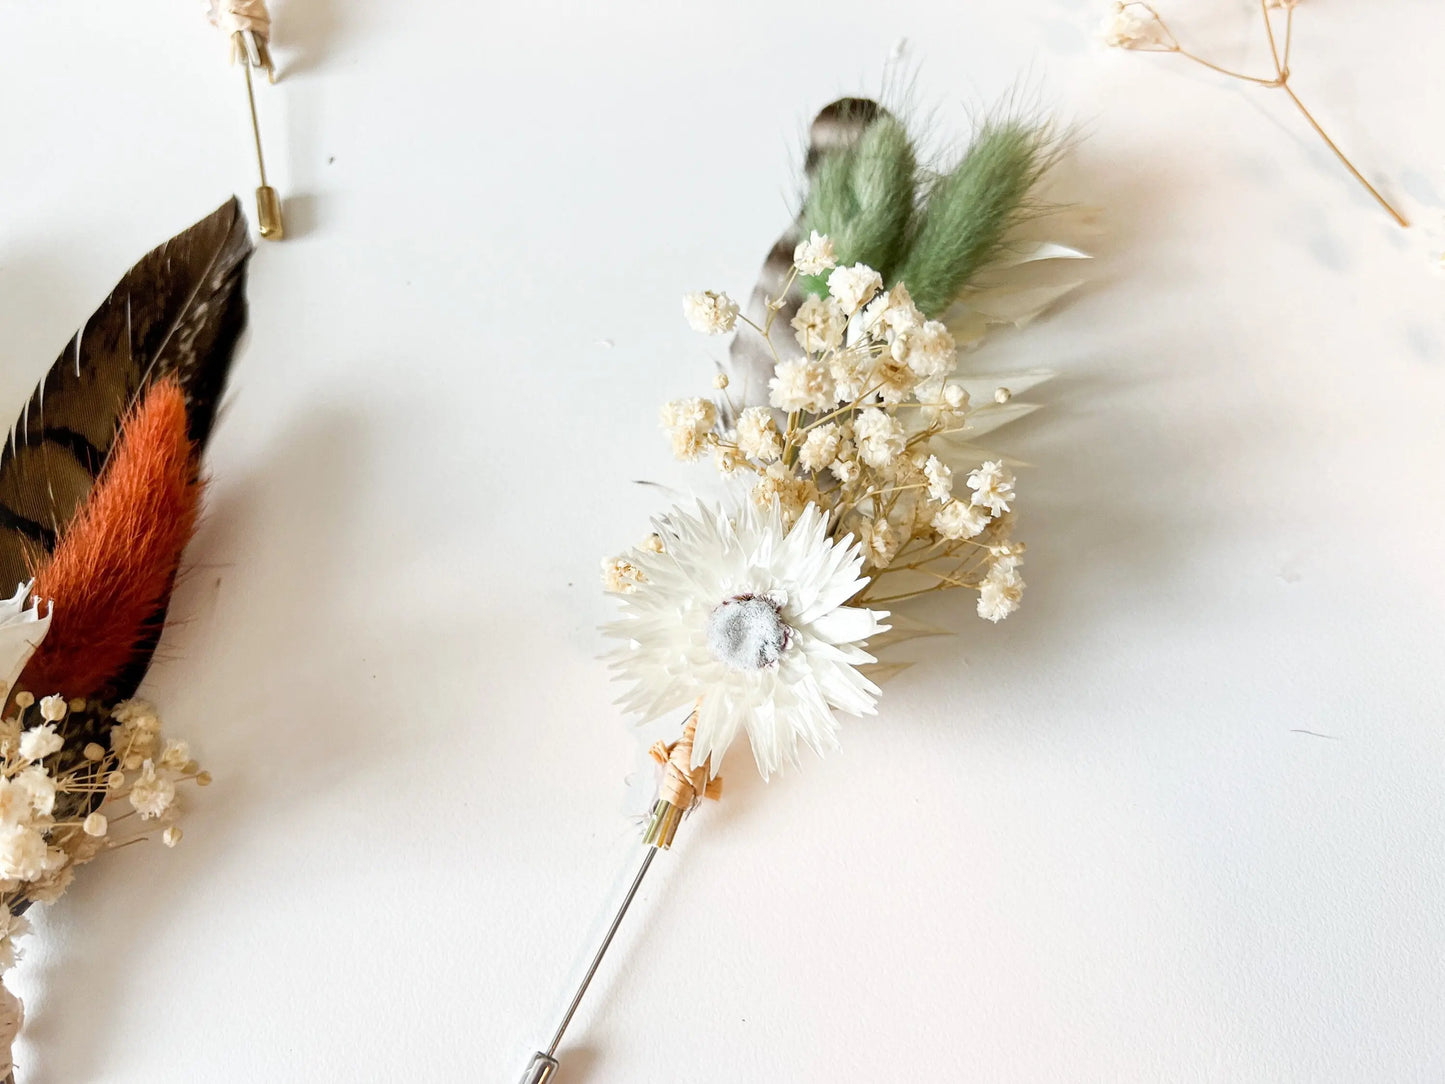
(540, 1070)
(268, 213)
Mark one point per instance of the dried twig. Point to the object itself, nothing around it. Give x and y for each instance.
(1149, 33)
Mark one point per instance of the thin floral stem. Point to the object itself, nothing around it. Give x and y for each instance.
(1330, 143)
(1187, 55)
(1269, 32)
(1281, 61)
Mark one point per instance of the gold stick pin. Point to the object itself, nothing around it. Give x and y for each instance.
(253, 53)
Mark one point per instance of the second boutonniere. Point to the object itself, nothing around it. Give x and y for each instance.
(847, 433)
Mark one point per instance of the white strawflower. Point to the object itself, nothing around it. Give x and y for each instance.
(880, 438)
(23, 854)
(1001, 590)
(53, 708)
(619, 575)
(753, 619)
(815, 255)
(758, 436)
(40, 741)
(710, 312)
(928, 350)
(820, 447)
(960, 519)
(940, 479)
(852, 287)
(802, 384)
(172, 835)
(39, 787)
(820, 324)
(993, 487)
(151, 794)
(955, 397)
(95, 825)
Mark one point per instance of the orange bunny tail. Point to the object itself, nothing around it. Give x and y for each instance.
(110, 576)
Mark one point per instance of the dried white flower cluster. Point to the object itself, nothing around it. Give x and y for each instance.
(59, 800)
(1132, 26)
(857, 424)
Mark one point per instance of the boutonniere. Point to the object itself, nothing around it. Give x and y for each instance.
(853, 443)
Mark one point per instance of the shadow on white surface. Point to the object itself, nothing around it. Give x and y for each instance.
(304, 483)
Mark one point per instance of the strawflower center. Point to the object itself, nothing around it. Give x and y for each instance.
(747, 632)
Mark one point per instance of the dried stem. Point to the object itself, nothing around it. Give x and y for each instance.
(1169, 43)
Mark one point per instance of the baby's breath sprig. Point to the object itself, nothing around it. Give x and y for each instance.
(1137, 25)
(858, 424)
(77, 778)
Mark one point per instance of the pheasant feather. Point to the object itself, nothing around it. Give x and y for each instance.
(98, 481)
(177, 313)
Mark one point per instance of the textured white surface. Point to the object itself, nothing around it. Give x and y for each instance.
(1094, 843)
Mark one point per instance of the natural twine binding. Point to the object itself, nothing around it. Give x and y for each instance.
(682, 786)
(247, 25)
(243, 15)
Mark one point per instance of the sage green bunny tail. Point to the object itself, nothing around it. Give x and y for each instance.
(862, 197)
(967, 212)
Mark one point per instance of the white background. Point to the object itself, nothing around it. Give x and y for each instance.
(1095, 843)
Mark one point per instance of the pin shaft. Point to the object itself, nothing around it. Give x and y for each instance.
(268, 203)
(255, 124)
(602, 950)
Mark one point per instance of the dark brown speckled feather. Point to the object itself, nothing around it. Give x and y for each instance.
(179, 311)
(836, 127)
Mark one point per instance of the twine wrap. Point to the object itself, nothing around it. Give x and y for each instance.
(682, 786)
(247, 26)
(246, 16)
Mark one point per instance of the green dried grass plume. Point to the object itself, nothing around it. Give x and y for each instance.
(967, 212)
(862, 197)
(932, 231)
